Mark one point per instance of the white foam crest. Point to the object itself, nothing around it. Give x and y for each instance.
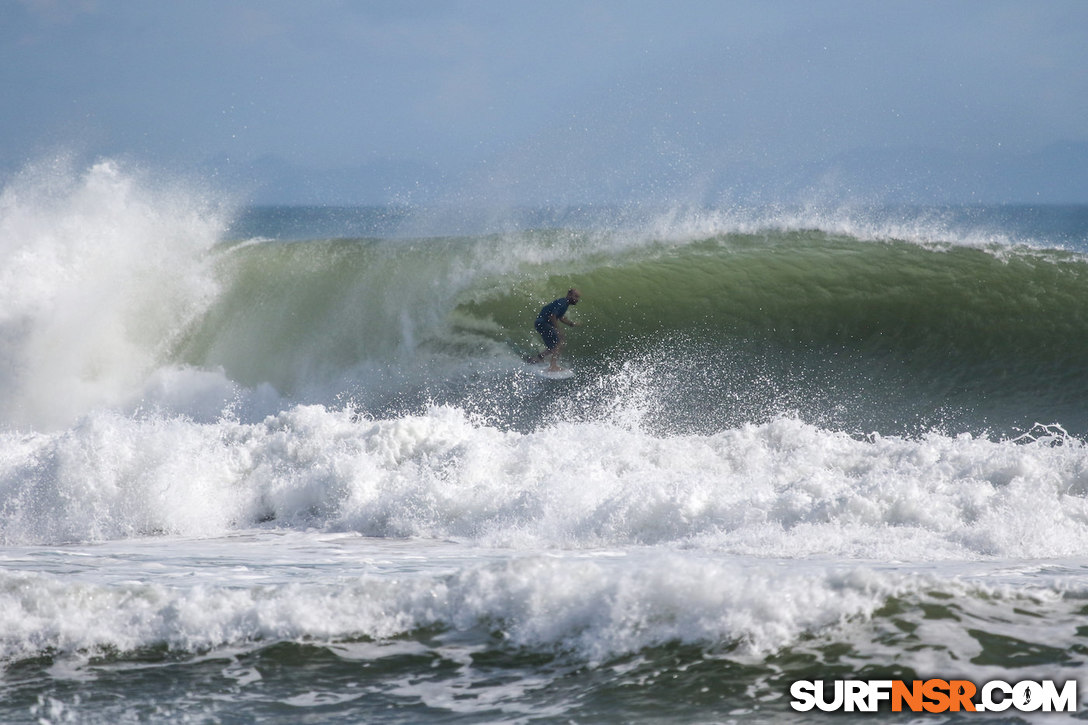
(933, 228)
(779, 489)
(594, 608)
(98, 272)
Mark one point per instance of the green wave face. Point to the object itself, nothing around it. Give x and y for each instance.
(737, 327)
(969, 306)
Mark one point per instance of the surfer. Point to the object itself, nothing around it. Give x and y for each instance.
(547, 324)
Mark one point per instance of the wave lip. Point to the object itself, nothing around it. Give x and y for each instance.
(117, 285)
(905, 335)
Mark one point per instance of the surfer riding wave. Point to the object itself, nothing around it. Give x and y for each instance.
(547, 324)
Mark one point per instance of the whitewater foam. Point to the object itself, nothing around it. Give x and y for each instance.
(783, 488)
(314, 477)
(100, 272)
(120, 294)
(932, 228)
(362, 596)
(598, 607)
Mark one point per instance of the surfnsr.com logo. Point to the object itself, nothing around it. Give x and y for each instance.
(933, 696)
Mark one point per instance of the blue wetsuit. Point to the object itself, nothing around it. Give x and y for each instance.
(544, 325)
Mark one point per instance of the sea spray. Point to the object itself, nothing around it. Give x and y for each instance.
(849, 333)
(124, 293)
(316, 480)
(100, 271)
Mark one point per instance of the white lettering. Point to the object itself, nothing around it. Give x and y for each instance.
(822, 703)
(1027, 696)
(856, 695)
(804, 698)
(988, 703)
(1066, 701)
(879, 690)
(993, 696)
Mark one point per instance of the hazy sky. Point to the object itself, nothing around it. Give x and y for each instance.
(617, 93)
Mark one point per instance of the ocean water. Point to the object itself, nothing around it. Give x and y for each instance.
(286, 465)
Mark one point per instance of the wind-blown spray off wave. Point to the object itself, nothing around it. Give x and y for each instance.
(792, 444)
(124, 300)
(99, 271)
(861, 334)
(121, 294)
